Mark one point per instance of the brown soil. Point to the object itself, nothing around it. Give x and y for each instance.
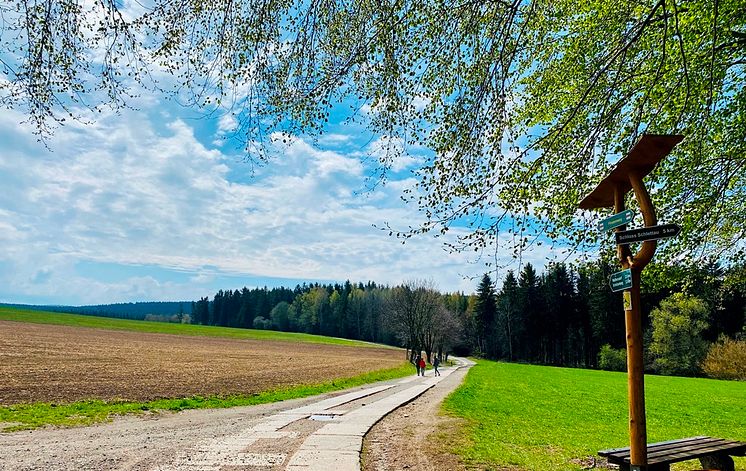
(62, 364)
(416, 437)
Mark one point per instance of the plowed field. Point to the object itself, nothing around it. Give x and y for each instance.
(63, 364)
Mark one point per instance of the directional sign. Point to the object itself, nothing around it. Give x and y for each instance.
(616, 220)
(621, 280)
(647, 233)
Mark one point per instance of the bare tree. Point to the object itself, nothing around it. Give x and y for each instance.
(417, 312)
(410, 310)
(447, 331)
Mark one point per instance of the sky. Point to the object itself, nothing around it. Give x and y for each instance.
(152, 204)
(158, 203)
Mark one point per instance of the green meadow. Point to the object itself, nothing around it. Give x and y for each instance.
(543, 418)
(77, 320)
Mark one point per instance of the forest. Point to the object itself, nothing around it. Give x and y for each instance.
(164, 311)
(565, 316)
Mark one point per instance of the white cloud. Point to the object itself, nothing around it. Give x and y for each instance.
(420, 102)
(392, 151)
(122, 193)
(332, 139)
(300, 158)
(227, 123)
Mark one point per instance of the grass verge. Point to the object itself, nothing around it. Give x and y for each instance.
(31, 416)
(538, 418)
(77, 320)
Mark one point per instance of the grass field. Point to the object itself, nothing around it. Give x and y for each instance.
(54, 372)
(542, 418)
(76, 320)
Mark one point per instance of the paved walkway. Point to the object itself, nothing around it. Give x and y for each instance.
(315, 437)
(324, 433)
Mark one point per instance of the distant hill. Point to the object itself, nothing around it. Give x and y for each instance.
(157, 310)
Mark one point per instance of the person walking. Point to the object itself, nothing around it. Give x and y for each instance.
(436, 363)
(423, 365)
(417, 364)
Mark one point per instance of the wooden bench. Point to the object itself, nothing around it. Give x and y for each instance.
(713, 453)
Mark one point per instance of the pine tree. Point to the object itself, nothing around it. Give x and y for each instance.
(582, 308)
(485, 311)
(508, 315)
(530, 305)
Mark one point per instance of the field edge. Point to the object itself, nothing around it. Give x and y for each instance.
(110, 323)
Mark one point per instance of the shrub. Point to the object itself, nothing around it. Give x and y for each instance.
(612, 359)
(677, 345)
(726, 360)
(262, 323)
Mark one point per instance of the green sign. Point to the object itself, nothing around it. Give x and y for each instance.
(619, 219)
(621, 280)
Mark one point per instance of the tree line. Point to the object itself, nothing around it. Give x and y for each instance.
(568, 316)
(413, 315)
(167, 311)
(565, 316)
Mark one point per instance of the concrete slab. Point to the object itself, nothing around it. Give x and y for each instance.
(345, 428)
(331, 412)
(312, 460)
(338, 400)
(338, 443)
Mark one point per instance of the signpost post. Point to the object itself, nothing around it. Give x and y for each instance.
(626, 176)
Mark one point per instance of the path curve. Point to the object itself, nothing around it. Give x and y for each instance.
(319, 433)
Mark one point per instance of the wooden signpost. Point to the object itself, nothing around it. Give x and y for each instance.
(626, 176)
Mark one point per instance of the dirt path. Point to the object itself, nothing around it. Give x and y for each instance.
(410, 438)
(320, 433)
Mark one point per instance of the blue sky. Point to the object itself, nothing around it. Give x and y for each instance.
(153, 205)
(157, 204)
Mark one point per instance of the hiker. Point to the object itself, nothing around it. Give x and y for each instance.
(436, 362)
(423, 366)
(417, 364)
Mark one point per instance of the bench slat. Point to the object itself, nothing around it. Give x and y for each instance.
(693, 447)
(621, 453)
(679, 450)
(614, 451)
(688, 455)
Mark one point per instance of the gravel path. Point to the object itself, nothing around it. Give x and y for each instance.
(286, 435)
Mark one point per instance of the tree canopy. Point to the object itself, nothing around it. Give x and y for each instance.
(525, 104)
